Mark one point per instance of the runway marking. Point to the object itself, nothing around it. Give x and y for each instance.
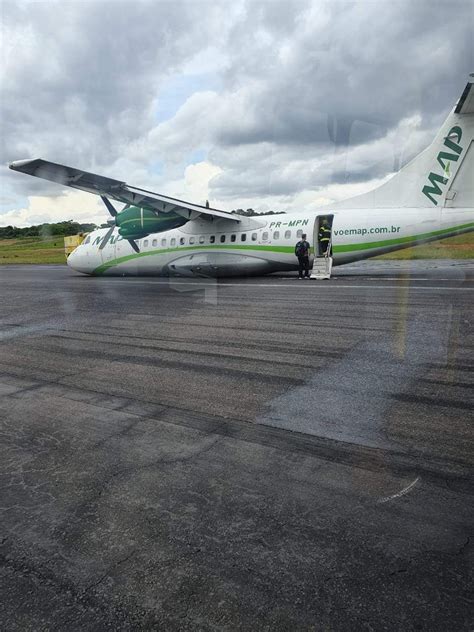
(197, 282)
(404, 491)
(377, 278)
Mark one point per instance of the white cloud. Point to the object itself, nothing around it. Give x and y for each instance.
(197, 178)
(77, 205)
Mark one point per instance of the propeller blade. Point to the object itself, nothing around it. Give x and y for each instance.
(134, 245)
(109, 206)
(103, 243)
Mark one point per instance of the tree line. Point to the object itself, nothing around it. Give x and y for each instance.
(58, 229)
(251, 213)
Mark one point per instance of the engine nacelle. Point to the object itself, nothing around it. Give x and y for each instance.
(136, 222)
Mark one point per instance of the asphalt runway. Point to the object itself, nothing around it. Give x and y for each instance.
(243, 454)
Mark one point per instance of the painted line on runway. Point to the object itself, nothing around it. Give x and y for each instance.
(203, 284)
(335, 287)
(404, 491)
(377, 278)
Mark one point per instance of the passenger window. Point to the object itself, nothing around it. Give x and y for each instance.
(264, 236)
(163, 242)
(287, 234)
(222, 239)
(201, 239)
(181, 241)
(299, 233)
(192, 240)
(233, 237)
(276, 234)
(173, 241)
(243, 237)
(145, 243)
(154, 243)
(212, 239)
(254, 236)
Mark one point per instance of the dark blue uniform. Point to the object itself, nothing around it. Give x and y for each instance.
(302, 252)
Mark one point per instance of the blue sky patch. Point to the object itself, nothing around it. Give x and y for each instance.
(176, 90)
(198, 155)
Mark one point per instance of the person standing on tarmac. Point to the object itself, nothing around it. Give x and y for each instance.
(302, 252)
(324, 237)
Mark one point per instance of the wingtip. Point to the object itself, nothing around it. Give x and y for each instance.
(16, 165)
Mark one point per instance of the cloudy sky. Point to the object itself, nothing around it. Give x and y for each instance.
(270, 105)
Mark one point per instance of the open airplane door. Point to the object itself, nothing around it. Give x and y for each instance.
(322, 241)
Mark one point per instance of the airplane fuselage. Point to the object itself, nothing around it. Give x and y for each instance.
(264, 244)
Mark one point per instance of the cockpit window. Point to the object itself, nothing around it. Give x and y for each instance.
(87, 240)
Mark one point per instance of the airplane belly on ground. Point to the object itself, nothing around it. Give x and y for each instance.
(211, 264)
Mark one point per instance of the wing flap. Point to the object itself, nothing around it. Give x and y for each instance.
(114, 189)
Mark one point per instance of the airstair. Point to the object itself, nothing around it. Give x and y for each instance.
(322, 267)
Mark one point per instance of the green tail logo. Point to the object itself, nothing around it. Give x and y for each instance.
(444, 158)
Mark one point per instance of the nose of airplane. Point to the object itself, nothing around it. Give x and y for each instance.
(81, 260)
(72, 259)
(77, 261)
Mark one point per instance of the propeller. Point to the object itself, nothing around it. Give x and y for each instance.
(134, 245)
(104, 241)
(109, 206)
(113, 211)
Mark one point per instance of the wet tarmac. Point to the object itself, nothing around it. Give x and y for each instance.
(243, 454)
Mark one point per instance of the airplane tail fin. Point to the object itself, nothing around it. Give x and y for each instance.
(441, 175)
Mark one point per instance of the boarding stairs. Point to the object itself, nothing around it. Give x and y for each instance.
(322, 266)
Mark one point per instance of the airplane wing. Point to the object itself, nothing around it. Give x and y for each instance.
(114, 189)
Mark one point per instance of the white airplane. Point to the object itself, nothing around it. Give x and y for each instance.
(430, 198)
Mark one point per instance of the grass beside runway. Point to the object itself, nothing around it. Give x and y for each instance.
(51, 250)
(32, 250)
(459, 247)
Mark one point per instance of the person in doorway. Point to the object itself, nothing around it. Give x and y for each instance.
(324, 237)
(302, 252)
